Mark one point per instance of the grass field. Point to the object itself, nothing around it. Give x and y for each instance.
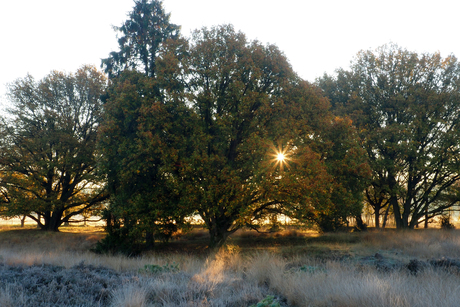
(290, 268)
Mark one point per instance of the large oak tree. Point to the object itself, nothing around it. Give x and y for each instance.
(206, 144)
(48, 154)
(406, 107)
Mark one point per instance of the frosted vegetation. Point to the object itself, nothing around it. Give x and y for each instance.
(304, 269)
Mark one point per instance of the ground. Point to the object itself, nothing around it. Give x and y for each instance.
(293, 267)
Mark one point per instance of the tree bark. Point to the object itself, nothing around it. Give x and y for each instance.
(360, 223)
(396, 212)
(385, 217)
(426, 218)
(218, 231)
(218, 238)
(149, 240)
(52, 221)
(377, 217)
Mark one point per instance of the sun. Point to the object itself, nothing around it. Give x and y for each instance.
(280, 157)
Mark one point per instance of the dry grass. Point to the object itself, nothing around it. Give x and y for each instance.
(298, 268)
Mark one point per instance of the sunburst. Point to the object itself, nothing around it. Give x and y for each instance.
(281, 157)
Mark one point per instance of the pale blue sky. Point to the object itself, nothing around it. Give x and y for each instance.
(316, 36)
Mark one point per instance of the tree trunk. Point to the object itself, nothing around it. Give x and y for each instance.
(23, 219)
(360, 225)
(405, 219)
(149, 240)
(385, 217)
(218, 231)
(396, 212)
(39, 218)
(377, 216)
(52, 221)
(218, 238)
(394, 202)
(426, 218)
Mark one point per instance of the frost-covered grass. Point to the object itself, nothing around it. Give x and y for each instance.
(295, 268)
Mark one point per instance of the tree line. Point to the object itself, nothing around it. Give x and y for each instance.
(187, 127)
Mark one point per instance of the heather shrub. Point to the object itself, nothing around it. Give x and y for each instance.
(268, 301)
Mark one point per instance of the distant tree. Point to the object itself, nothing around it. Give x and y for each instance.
(48, 154)
(142, 34)
(346, 162)
(406, 107)
(378, 200)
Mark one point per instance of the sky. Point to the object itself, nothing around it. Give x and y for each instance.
(317, 36)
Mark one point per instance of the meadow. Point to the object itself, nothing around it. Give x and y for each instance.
(288, 268)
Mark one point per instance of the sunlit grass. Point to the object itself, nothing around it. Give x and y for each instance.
(297, 267)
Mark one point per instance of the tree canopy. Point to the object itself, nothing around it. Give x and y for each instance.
(140, 139)
(207, 143)
(48, 156)
(141, 37)
(406, 107)
(220, 128)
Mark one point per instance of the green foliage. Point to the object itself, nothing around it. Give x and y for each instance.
(48, 153)
(147, 202)
(142, 34)
(122, 237)
(201, 135)
(406, 109)
(268, 301)
(145, 197)
(346, 162)
(311, 269)
(234, 91)
(158, 269)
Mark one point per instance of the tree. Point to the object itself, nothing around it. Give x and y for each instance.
(143, 33)
(48, 153)
(141, 138)
(347, 164)
(227, 107)
(249, 104)
(132, 220)
(406, 107)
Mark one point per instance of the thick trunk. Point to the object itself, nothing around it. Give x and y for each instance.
(360, 225)
(405, 217)
(219, 231)
(377, 217)
(52, 221)
(149, 240)
(218, 238)
(397, 212)
(385, 217)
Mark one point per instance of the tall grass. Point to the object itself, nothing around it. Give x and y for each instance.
(328, 270)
